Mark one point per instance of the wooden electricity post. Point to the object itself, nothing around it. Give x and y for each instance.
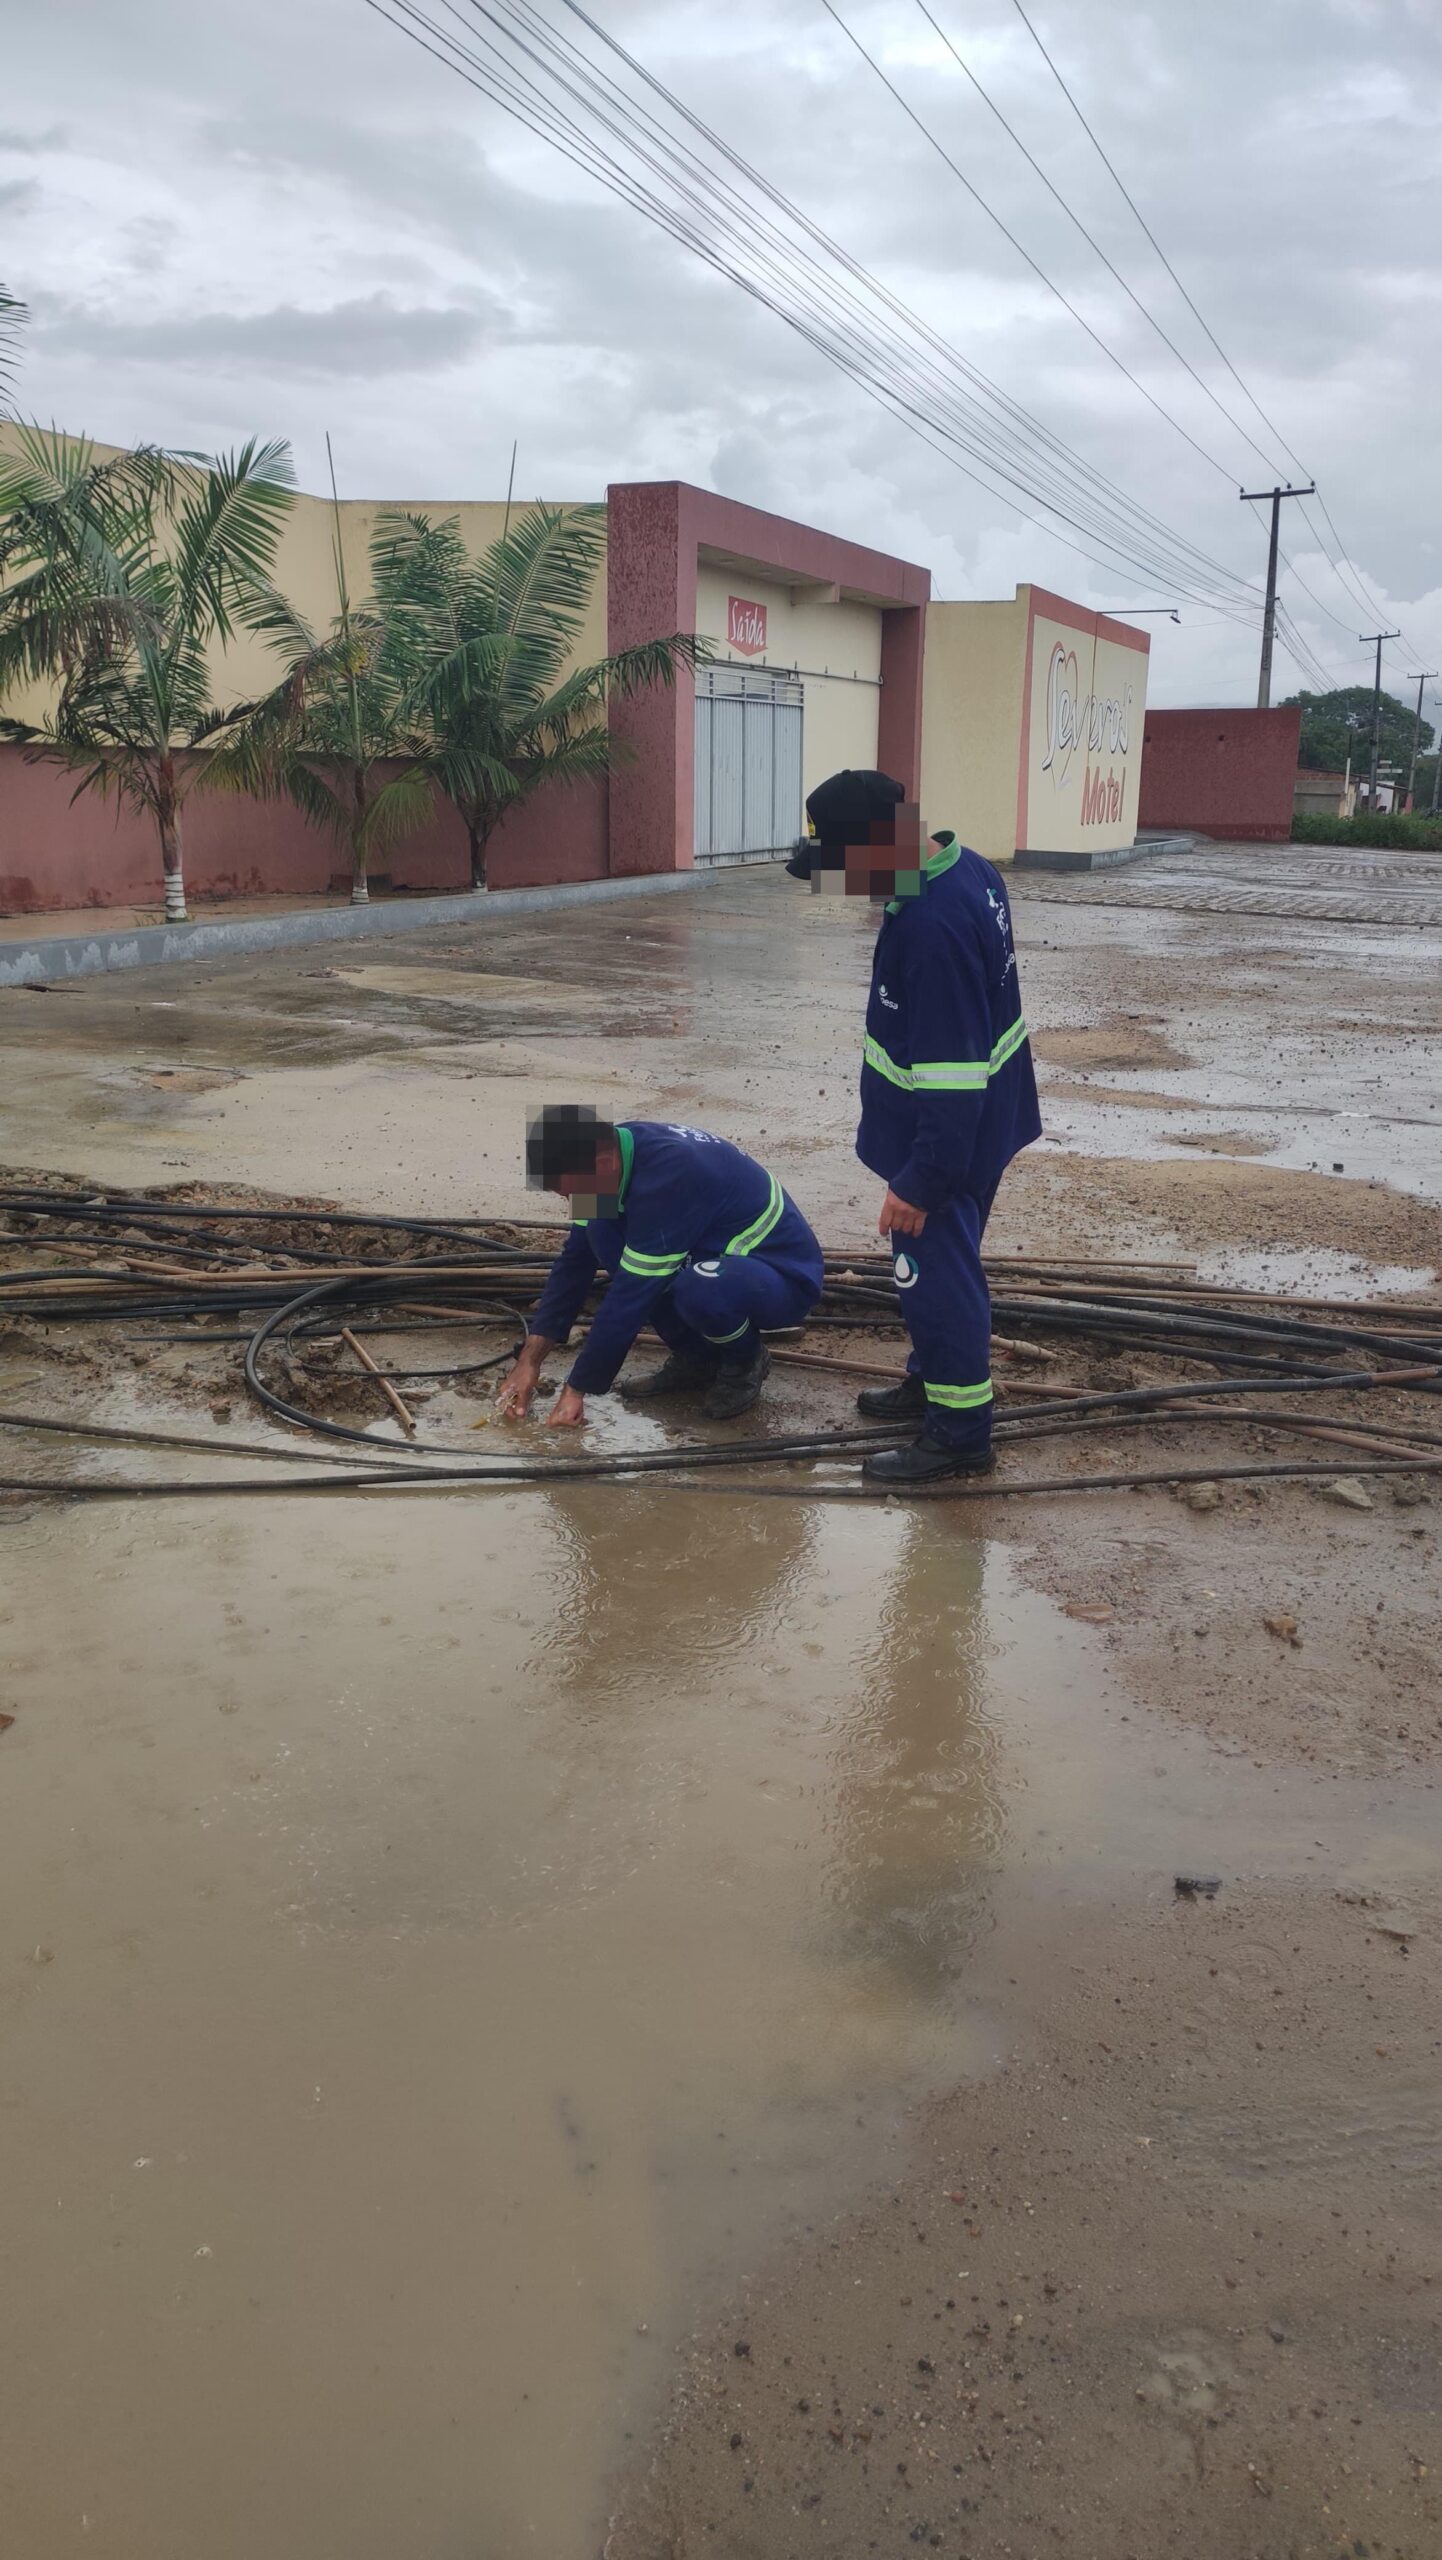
(1250, 498)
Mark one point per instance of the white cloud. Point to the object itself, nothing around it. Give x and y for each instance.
(294, 220)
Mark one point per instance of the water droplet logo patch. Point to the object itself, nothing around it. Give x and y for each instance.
(707, 1270)
(904, 1271)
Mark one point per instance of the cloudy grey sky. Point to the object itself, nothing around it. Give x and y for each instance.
(288, 218)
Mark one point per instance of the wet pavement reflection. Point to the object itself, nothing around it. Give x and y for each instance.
(444, 1938)
(449, 1940)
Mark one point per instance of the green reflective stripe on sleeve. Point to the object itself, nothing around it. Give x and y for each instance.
(949, 1075)
(760, 1228)
(958, 1399)
(651, 1266)
(875, 1056)
(1008, 1045)
(733, 1336)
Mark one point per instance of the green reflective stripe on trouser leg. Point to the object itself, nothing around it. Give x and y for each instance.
(875, 1056)
(733, 1336)
(949, 1075)
(1008, 1045)
(760, 1228)
(651, 1266)
(958, 1399)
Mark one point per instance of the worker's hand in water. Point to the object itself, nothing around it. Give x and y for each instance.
(519, 1386)
(898, 1218)
(568, 1409)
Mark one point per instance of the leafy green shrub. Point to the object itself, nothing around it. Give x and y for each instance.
(1412, 835)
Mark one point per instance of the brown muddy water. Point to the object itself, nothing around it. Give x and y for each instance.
(449, 1940)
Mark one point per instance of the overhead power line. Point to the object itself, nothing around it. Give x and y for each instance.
(1348, 578)
(1117, 180)
(823, 241)
(746, 229)
(1269, 616)
(1094, 244)
(924, 129)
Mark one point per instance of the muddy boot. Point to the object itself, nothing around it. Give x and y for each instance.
(926, 1461)
(738, 1384)
(905, 1402)
(685, 1373)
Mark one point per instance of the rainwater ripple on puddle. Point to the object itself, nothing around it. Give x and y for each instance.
(450, 1940)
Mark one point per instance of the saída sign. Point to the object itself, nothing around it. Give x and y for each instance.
(746, 626)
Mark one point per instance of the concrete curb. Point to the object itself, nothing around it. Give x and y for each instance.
(1112, 859)
(89, 955)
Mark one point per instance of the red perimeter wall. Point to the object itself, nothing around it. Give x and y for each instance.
(55, 855)
(1227, 773)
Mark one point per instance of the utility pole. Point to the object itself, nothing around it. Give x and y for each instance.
(1437, 767)
(1366, 638)
(1417, 733)
(1250, 498)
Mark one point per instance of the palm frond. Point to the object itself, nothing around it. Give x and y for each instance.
(273, 617)
(539, 578)
(416, 564)
(227, 526)
(43, 470)
(404, 802)
(455, 689)
(110, 769)
(44, 633)
(470, 777)
(584, 693)
(317, 797)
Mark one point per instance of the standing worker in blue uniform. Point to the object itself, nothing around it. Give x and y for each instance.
(699, 1241)
(948, 1097)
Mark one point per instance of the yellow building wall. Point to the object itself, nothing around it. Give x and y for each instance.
(836, 648)
(973, 675)
(305, 572)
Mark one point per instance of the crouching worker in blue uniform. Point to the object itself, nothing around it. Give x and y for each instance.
(948, 1097)
(699, 1242)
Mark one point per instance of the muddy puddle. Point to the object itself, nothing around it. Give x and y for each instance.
(449, 1940)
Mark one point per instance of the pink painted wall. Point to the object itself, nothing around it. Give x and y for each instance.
(656, 528)
(55, 855)
(650, 591)
(898, 726)
(1228, 773)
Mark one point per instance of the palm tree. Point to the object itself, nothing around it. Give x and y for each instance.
(13, 316)
(119, 576)
(336, 735)
(487, 641)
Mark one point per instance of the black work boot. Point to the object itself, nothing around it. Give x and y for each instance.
(926, 1461)
(737, 1386)
(905, 1402)
(685, 1373)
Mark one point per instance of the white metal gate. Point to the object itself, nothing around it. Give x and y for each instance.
(748, 764)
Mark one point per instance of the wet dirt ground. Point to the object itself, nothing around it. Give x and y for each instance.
(488, 1981)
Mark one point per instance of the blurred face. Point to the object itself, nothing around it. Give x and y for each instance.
(595, 1190)
(890, 864)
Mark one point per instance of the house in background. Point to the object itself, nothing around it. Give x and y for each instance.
(1323, 795)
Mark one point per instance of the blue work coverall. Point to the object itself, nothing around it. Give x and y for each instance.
(706, 1247)
(948, 1097)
